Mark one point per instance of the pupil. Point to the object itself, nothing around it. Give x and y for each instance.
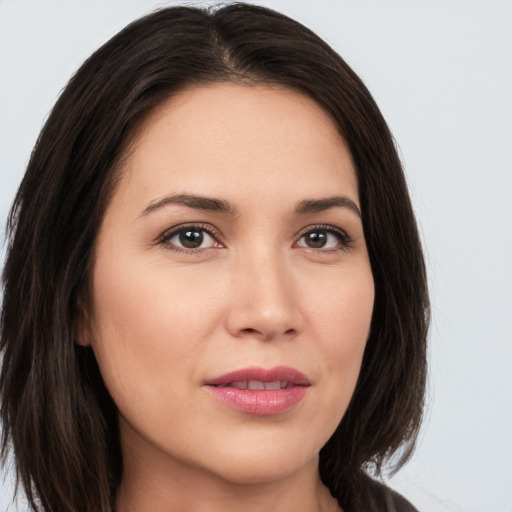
(191, 239)
(316, 239)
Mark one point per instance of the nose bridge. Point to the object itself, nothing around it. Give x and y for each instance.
(265, 304)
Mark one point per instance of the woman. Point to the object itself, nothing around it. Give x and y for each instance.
(214, 292)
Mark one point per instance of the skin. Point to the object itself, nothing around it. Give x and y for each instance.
(166, 317)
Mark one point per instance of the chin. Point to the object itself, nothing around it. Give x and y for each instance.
(240, 473)
(261, 463)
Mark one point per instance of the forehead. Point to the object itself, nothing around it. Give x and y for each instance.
(227, 139)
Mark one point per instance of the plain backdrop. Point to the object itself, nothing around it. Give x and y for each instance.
(441, 71)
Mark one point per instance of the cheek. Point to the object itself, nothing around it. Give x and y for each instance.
(341, 311)
(148, 325)
(341, 316)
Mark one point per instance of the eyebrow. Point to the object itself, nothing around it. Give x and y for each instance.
(320, 205)
(192, 201)
(305, 207)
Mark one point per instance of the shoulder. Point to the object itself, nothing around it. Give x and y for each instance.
(385, 499)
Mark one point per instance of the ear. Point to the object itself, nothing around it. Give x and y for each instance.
(82, 325)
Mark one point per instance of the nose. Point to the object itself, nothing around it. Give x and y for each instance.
(264, 302)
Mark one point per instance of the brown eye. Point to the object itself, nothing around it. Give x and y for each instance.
(315, 239)
(324, 238)
(190, 238)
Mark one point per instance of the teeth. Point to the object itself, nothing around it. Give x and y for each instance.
(239, 385)
(255, 384)
(258, 385)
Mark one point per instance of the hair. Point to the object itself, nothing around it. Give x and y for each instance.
(57, 415)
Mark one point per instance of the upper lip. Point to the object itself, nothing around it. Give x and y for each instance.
(281, 373)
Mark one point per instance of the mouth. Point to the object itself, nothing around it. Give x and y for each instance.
(257, 378)
(258, 391)
(258, 384)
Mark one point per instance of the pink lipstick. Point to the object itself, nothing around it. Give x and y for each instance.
(259, 391)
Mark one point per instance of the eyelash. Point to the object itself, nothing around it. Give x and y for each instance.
(165, 238)
(345, 242)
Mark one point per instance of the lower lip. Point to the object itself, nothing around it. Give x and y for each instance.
(260, 402)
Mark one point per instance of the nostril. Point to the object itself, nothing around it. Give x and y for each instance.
(264, 334)
(267, 335)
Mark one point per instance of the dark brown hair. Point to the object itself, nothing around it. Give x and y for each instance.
(57, 415)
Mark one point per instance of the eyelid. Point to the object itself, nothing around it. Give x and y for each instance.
(200, 226)
(345, 240)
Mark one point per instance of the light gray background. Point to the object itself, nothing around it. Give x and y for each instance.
(441, 70)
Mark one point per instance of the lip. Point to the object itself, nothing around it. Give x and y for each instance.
(260, 402)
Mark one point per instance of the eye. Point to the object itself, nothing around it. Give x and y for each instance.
(190, 238)
(324, 237)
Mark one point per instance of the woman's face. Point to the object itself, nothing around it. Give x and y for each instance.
(233, 243)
